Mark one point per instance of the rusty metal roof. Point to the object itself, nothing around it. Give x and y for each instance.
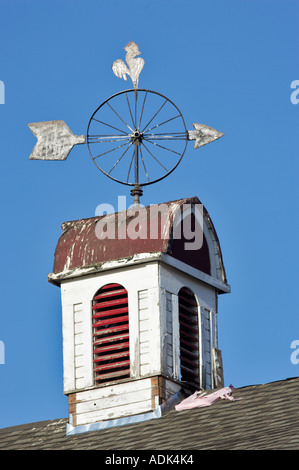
(80, 247)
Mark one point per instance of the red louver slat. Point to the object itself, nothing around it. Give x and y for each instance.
(188, 343)
(109, 321)
(189, 336)
(112, 356)
(185, 297)
(111, 347)
(116, 311)
(112, 375)
(111, 334)
(109, 304)
(109, 339)
(108, 287)
(189, 354)
(110, 294)
(112, 365)
(188, 328)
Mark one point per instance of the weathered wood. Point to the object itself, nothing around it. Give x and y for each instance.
(206, 351)
(68, 347)
(113, 390)
(155, 391)
(113, 402)
(218, 368)
(113, 413)
(176, 337)
(109, 402)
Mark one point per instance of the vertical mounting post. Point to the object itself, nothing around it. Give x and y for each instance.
(136, 192)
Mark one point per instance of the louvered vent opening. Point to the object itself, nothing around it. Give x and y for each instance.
(111, 334)
(189, 336)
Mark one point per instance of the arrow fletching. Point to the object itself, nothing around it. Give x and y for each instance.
(55, 140)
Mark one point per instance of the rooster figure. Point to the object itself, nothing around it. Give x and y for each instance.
(135, 64)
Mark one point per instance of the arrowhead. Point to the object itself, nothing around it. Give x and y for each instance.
(55, 140)
(203, 135)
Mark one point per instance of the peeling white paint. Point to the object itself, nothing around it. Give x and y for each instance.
(107, 265)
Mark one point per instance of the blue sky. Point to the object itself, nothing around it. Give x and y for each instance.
(228, 64)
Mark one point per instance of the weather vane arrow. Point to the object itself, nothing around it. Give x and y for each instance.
(136, 137)
(203, 135)
(55, 140)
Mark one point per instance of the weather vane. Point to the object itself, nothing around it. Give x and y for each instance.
(136, 137)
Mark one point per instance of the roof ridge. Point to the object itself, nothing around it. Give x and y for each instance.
(68, 223)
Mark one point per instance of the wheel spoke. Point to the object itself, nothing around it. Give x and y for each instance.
(130, 165)
(98, 139)
(142, 110)
(154, 116)
(164, 136)
(109, 136)
(161, 146)
(144, 165)
(112, 150)
(161, 124)
(119, 116)
(131, 112)
(109, 125)
(120, 158)
(170, 133)
(136, 96)
(154, 157)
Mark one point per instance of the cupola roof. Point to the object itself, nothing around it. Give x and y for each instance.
(86, 245)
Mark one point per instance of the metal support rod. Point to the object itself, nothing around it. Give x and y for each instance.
(136, 164)
(136, 191)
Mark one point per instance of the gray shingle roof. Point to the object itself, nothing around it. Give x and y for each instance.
(266, 417)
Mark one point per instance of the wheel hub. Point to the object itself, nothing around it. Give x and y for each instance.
(137, 136)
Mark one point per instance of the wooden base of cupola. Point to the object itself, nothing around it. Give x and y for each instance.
(119, 400)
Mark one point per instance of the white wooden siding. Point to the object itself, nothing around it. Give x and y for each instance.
(82, 353)
(144, 332)
(169, 335)
(206, 349)
(112, 402)
(78, 345)
(167, 345)
(176, 337)
(68, 347)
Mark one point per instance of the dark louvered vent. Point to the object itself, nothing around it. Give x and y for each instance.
(111, 334)
(189, 336)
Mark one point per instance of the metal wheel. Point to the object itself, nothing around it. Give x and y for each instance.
(137, 137)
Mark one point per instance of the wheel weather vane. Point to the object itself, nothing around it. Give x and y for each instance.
(136, 137)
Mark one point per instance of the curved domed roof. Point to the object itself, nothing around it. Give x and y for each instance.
(89, 245)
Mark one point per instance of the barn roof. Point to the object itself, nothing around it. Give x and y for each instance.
(265, 418)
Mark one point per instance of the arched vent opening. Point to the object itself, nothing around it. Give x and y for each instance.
(189, 337)
(111, 355)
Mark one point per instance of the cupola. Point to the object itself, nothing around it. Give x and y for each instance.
(139, 287)
(139, 291)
